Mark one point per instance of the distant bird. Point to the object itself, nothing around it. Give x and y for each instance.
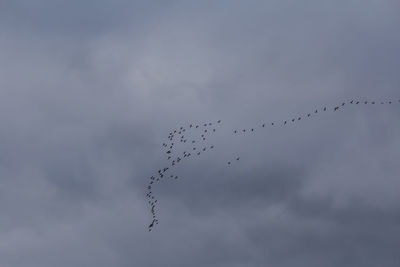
(272, 123)
(205, 124)
(237, 158)
(244, 130)
(235, 131)
(293, 120)
(213, 130)
(252, 129)
(366, 102)
(204, 149)
(316, 111)
(308, 115)
(229, 163)
(285, 122)
(358, 102)
(263, 125)
(211, 147)
(219, 121)
(176, 177)
(351, 102)
(205, 130)
(324, 108)
(209, 123)
(390, 102)
(151, 225)
(198, 153)
(194, 148)
(197, 126)
(190, 125)
(336, 108)
(373, 102)
(299, 118)
(343, 104)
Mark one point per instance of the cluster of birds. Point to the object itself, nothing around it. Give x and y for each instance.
(197, 146)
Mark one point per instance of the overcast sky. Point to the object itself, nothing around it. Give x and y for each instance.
(89, 91)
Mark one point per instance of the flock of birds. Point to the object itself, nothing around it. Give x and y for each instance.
(197, 146)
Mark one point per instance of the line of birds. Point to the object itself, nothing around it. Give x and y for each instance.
(182, 135)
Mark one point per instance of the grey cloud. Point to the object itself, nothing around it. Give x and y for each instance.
(89, 91)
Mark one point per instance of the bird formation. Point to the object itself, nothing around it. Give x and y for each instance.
(197, 145)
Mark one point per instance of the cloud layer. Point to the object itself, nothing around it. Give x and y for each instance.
(89, 92)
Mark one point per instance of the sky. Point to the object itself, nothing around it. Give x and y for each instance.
(89, 91)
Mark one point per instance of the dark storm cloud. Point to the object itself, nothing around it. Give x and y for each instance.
(89, 91)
